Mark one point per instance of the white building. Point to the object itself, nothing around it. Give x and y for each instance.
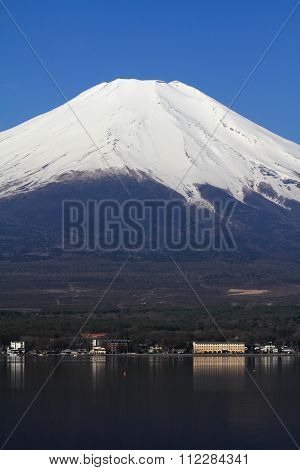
(98, 350)
(269, 349)
(218, 348)
(97, 347)
(155, 349)
(15, 348)
(286, 350)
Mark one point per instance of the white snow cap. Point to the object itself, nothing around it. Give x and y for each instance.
(169, 131)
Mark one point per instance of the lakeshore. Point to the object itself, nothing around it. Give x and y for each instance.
(136, 355)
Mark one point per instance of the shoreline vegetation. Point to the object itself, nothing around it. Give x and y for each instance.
(169, 328)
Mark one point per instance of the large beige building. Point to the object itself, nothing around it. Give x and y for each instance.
(214, 347)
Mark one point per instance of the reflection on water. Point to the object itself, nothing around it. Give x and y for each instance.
(16, 371)
(272, 364)
(207, 371)
(210, 373)
(220, 365)
(166, 402)
(267, 363)
(98, 365)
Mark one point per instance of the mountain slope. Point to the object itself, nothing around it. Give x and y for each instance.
(164, 131)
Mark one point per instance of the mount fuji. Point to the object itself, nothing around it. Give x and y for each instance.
(140, 138)
(169, 132)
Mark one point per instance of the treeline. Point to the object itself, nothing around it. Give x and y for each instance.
(280, 324)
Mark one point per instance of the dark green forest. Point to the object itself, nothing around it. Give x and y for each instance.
(177, 327)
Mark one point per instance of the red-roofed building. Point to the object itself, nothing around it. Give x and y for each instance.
(93, 335)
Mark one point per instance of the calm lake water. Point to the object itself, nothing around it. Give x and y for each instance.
(151, 402)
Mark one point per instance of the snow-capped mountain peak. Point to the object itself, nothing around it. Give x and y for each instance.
(169, 131)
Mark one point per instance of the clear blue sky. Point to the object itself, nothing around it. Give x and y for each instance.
(209, 44)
